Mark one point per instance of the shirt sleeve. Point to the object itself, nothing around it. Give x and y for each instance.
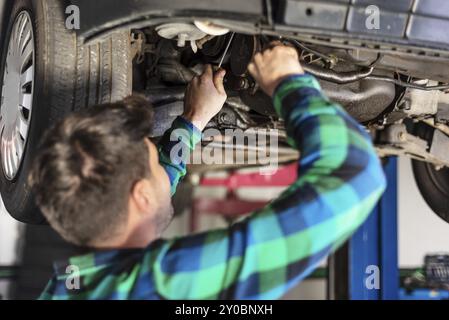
(175, 148)
(340, 180)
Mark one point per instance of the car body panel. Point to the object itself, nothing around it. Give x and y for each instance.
(100, 16)
(424, 23)
(403, 21)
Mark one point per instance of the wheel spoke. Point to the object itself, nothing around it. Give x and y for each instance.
(27, 76)
(8, 156)
(19, 147)
(26, 53)
(2, 124)
(3, 95)
(12, 152)
(23, 22)
(6, 161)
(22, 126)
(3, 153)
(26, 101)
(25, 41)
(11, 159)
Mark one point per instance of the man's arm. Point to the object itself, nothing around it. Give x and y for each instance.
(180, 140)
(339, 182)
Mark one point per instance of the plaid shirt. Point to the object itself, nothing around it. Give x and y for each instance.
(262, 257)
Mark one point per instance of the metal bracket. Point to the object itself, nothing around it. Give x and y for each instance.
(395, 140)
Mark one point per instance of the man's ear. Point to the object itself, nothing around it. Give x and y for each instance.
(141, 196)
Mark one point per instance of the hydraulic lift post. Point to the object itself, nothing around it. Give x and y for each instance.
(366, 268)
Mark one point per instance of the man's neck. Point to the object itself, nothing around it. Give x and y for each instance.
(136, 238)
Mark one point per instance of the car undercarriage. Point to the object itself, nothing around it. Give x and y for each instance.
(383, 91)
(400, 96)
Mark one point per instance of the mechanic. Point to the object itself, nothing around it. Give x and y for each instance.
(103, 185)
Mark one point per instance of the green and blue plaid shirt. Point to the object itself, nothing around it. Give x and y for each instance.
(340, 180)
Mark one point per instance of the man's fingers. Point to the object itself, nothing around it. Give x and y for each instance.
(276, 43)
(189, 88)
(252, 68)
(258, 59)
(255, 63)
(218, 81)
(272, 45)
(193, 84)
(208, 72)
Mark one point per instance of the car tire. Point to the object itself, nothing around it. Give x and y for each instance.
(68, 76)
(433, 184)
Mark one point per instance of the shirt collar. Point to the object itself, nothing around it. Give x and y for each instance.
(94, 259)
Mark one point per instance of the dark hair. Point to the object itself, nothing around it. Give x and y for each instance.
(87, 166)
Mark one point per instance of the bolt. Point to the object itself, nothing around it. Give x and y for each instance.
(241, 84)
(224, 117)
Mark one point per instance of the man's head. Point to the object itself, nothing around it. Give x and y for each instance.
(97, 178)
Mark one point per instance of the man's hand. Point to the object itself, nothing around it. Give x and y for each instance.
(205, 96)
(273, 65)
